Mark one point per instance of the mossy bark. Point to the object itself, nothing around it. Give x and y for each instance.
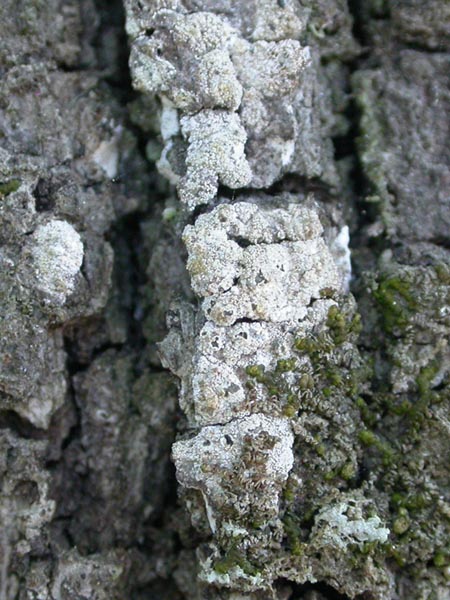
(308, 423)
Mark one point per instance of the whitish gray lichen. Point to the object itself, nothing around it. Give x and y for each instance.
(259, 268)
(209, 462)
(263, 265)
(338, 525)
(241, 106)
(260, 271)
(246, 90)
(240, 79)
(215, 154)
(57, 255)
(187, 59)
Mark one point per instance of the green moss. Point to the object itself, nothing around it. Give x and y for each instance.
(424, 379)
(337, 324)
(255, 371)
(285, 365)
(368, 417)
(367, 438)
(397, 499)
(412, 503)
(405, 408)
(235, 558)
(292, 530)
(348, 471)
(330, 475)
(273, 391)
(396, 302)
(334, 378)
(370, 439)
(289, 411)
(417, 411)
(371, 127)
(8, 187)
(305, 345)
(341, 326)
(369, 547)
(306, 382)
(392, 551)
(440, 559)
(288, 494)
(328, 292)
(321, 450)
(292, 405)
(443, 273)
(388, 455)
(401, 523)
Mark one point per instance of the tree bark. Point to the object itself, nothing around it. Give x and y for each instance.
(224, 300)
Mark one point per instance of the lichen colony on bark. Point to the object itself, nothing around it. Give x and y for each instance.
(250, 95)
(201, 395)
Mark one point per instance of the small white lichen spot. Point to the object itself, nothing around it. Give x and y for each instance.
(344, 524)
(278, 20)
(57, 257)
(341, 254)
(38, 411)
(169, 122)
(106, 155)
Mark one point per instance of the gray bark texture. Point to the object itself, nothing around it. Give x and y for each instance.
(224, 300)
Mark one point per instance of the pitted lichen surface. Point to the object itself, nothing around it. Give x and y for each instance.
(248, 263)
(308, 427)
(258, 267)
(240, 75)
(271, 334)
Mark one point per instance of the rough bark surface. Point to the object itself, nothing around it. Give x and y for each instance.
(201, 395)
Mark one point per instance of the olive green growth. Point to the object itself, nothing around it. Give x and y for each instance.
(341, 326)
(8, 187)
(367, 438)
(396, 303)
(441, 559)
(402, 523)
(292, 530)
(256, 372)
(235, 558)
(285, 365)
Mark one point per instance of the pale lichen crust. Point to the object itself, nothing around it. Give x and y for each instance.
(237, 91)
(260, 269)
(57, 255)
(250, 94)
(211, 460)
(232, 79)
(262, 265)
